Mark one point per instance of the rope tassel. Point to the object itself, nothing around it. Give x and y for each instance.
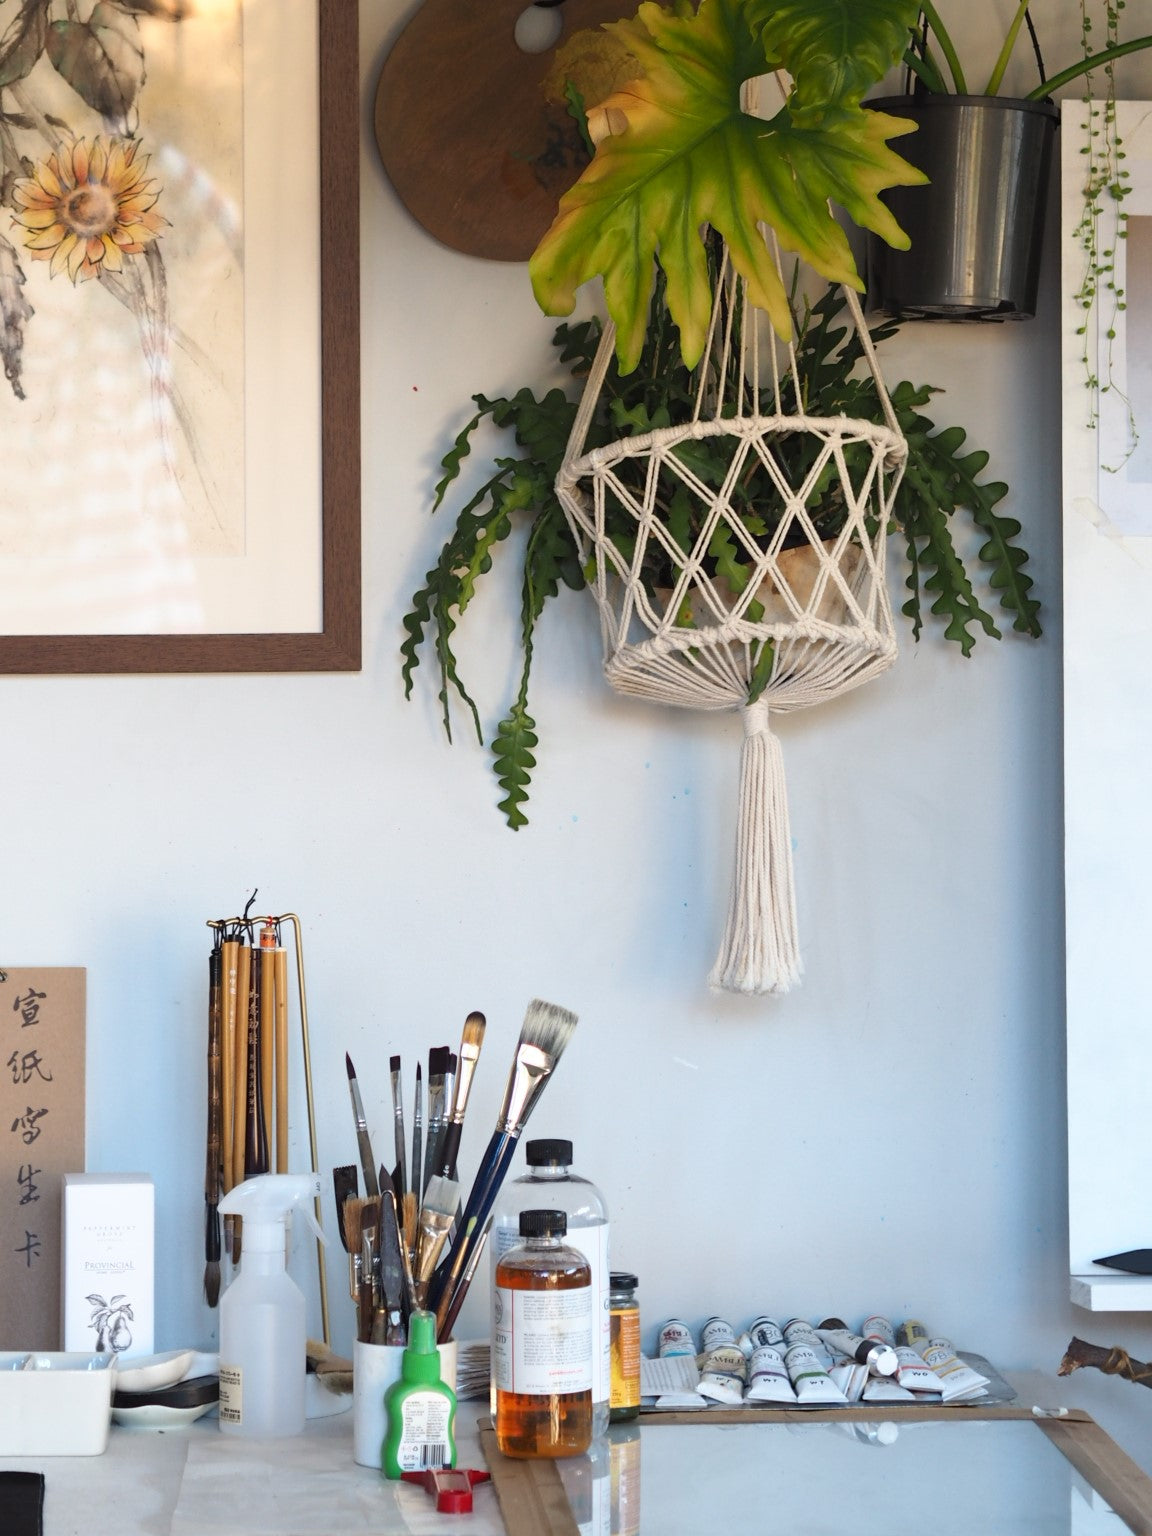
(760, 951)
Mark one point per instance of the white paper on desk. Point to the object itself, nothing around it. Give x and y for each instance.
(671, 1373)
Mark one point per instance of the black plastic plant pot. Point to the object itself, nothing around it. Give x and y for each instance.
(977, 228)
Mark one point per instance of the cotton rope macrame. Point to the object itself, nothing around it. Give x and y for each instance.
(825, 609)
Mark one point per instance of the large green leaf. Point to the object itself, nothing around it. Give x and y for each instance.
(689, 157)
(835, 50)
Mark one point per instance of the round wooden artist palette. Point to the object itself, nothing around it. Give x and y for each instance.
(476, 154)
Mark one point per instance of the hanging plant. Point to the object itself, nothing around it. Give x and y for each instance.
(944, 476)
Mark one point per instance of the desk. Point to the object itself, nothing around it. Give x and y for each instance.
(810, 1476)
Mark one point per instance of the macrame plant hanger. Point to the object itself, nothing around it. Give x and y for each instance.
(811, 622)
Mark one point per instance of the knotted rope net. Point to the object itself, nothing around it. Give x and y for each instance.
(710, 599)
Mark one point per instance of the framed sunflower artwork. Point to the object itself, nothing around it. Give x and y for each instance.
(179, 336)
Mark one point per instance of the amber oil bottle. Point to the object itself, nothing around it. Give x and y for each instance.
(542, 1342)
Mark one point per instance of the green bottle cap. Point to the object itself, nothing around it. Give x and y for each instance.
(421, 1358)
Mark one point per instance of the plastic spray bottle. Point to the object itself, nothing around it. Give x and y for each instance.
(263, 1339)
(420, 1407)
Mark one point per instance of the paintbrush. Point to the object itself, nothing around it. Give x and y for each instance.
(437, 1109)
(409, 1290)
(470, 1043)
(345, 1185)
(354, 1207)
(212, 1166)
(444, 1331)
(440, 1202)
(370, 1256)
(398, 1125)
(417, 1133)
(363, 1140)
(544, 1036)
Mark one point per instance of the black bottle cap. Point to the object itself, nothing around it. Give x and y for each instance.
(548, 1149)
(543, 1224)
(621, 1280)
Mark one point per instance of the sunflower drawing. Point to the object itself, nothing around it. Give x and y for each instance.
(88, 206)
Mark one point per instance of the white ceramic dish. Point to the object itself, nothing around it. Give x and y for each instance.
(155, 1416)
(57, 1405)
(152, 1372)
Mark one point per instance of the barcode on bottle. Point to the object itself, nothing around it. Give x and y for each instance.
(431, 1454)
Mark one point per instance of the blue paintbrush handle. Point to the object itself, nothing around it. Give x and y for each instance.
(493, 1167)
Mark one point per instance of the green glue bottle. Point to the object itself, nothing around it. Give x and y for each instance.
(421, 1408)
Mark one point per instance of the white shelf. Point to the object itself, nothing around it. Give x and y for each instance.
(1112, 1293)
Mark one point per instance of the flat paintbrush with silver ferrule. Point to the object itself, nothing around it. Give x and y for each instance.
(544, 1036)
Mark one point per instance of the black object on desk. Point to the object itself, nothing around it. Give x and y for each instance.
(1137, 1261)
(22, 1503)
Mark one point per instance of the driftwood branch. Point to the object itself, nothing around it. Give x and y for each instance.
(1113, 1362)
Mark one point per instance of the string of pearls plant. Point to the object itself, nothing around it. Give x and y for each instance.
(1102, 225)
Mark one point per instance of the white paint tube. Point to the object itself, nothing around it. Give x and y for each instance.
(879, 1330)
(810, 1381)
(849, 1375)
(676, 1339)
(716, 1332)
(723, 1374)
(766, 1330)
(879, 1358)
(959, 1381)
(797, 1331)
(912, 1373)
(768, 1378)
(882, 1389)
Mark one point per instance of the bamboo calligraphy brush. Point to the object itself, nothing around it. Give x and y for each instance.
(471, 1041)
(212, 1168)
(256, 1127)
(544, 1036)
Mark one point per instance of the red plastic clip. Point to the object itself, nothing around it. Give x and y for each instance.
(451, 1490)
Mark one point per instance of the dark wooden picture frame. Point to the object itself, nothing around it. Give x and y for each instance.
(336, 646)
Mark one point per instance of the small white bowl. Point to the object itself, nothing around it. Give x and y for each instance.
(151, 1372)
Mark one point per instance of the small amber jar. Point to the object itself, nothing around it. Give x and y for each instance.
(624, 1402)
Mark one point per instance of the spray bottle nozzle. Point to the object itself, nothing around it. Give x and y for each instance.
(267, 1202)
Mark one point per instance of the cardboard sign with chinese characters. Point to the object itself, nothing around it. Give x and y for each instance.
(41, 1138)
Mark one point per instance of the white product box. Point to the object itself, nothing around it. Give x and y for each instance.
(107, 1296)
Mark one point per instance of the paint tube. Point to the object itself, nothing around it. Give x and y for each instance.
(912, 1373)
(715, 1333)
(912, 1334)
(882, 1389)
(676, 1339)
(879, 1330)
(879, 1358)
(797, 1331)
(766, 1330)
(811, 1383)
(767, 1377)
(849, 1375)
(959, 1381)
(723, 1374)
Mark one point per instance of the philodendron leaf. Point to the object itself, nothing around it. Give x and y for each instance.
(687, 157)
(102, 58)
(835, 50)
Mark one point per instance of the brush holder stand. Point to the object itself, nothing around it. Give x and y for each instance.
(374, 1369)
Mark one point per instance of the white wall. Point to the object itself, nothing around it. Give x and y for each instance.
(889, 1137)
